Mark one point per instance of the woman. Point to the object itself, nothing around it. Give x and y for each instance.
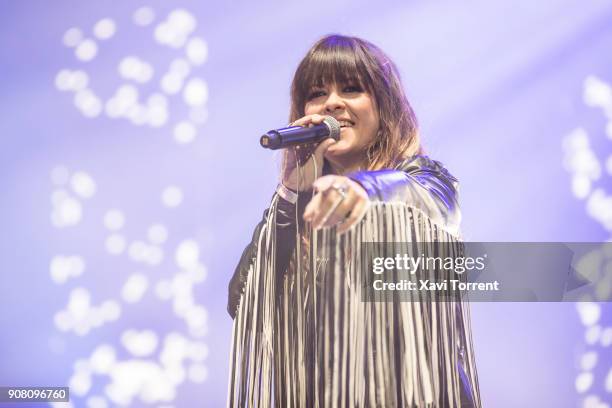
(303, 337)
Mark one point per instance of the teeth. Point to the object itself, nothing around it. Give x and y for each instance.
(344, 123)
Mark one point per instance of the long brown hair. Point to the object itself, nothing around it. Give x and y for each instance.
(343, 59)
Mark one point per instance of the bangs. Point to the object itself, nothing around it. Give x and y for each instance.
(333, 61)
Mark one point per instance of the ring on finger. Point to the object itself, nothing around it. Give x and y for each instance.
(341, 189)
(332, 210)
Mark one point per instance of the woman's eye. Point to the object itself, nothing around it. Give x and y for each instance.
(352, 88)
(315, 94)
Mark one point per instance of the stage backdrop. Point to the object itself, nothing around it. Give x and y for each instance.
(132, 178)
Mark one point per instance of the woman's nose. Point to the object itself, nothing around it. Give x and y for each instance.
(334, 102)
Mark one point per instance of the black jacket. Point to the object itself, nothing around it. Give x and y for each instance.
(419, 181)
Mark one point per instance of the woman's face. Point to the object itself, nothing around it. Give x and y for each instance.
(357, 113)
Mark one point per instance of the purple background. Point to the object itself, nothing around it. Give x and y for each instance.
(496, 87)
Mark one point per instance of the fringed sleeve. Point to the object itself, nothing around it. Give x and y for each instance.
(420, 182)
(304, 337)
(284, 214)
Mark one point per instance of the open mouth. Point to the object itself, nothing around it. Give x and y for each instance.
(345, 123)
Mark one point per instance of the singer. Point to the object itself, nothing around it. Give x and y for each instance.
(302, 336)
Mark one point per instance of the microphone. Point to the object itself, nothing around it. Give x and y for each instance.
(296, 135)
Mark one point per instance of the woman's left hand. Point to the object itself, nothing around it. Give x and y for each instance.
(338, 201)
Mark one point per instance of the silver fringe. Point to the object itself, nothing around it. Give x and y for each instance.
(303, 339)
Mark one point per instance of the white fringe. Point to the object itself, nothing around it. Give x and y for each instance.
(308, 340)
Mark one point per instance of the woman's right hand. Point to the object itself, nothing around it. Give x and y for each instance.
(302, 165)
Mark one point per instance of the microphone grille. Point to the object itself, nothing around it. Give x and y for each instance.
(334, 127)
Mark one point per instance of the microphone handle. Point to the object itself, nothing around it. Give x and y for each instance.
(294, 135)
